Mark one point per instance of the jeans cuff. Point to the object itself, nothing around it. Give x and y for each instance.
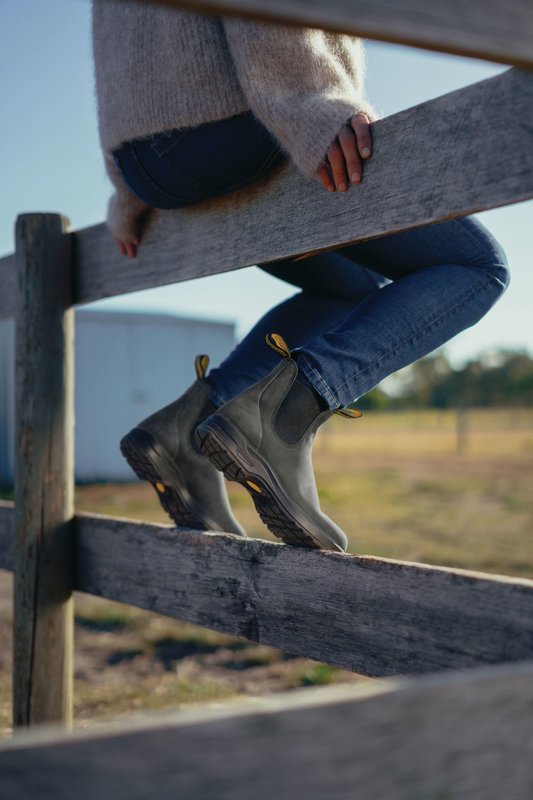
(317, 382)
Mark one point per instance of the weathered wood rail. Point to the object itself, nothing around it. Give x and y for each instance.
(467, 734)
(463, 736)
(449, 148)
(374, 616)
(483, 28)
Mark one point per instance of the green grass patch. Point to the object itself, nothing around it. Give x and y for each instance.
(316, 675)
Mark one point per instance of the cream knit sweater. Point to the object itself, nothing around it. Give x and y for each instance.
(158, 68)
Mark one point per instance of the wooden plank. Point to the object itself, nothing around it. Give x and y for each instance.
(42, 658)
(448, 147)
(8, 284)
(489, 29)
(432, 162)
(456, 736)
(7, 538)
(370, 615)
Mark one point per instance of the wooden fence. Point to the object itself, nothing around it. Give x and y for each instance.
(458, 734)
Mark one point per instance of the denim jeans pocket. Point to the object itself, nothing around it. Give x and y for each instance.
(164, 142)
(218, 157)
(182, 166)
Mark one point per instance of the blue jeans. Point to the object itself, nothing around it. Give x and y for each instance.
(364, 310)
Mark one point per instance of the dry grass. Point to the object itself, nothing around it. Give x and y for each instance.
(402, 485)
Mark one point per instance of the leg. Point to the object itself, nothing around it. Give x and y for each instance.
(434, 282)
(332, 286)
(445, 277)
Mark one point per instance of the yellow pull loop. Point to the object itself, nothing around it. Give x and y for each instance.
(278, 343)
(201, 363)
(351, 413)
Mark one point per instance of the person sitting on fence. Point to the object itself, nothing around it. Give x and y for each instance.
(192, 107)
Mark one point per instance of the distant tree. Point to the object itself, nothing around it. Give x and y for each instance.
(496, 378)
(375, 400)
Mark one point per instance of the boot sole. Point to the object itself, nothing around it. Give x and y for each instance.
(139, 448)
(227, 450)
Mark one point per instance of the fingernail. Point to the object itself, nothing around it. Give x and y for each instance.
(356, 177)
(365, 152)
(342, 187)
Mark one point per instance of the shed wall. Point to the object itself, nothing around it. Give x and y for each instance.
(127, 366)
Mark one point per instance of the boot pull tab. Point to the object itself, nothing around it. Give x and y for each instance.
(278, 343)
(201, 364)
(351, 413)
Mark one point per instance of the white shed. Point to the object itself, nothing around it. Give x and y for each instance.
(127, 366)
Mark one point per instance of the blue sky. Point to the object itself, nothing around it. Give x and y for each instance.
(51, 161)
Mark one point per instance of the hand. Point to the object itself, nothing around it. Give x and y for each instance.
(343, 158)
(128, 248)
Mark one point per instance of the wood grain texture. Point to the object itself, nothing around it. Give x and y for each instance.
(374, 616)
(42, 653)
(448, 149)
(448, 146)
(370, 615)
(460, 736)
(7, 535)
(490, 29)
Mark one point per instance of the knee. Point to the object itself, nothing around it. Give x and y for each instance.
(487, 254)
(499, 268)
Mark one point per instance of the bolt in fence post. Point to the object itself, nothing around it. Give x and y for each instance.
(44, 479)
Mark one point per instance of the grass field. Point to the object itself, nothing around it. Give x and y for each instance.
(420, 486)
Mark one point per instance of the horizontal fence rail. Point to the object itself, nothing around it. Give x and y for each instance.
(487, 29)
(369, 615)
(463, 152)
(454, 736)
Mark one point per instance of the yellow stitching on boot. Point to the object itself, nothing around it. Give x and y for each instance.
(201, 364)
(160, 488)
(254, 486)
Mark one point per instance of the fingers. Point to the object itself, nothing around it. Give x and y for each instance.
(348, 144)
(361, 128)
(344, 158)
(127, 248)
(337, 166)
(325, 178)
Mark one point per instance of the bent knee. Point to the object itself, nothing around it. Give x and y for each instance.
(498, 267)
(489, 254)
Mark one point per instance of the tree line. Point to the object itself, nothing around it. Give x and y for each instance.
(494, 379)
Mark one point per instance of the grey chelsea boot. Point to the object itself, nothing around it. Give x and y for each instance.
(242, 439)
(160, 450)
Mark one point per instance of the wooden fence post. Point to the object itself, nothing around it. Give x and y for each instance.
(42, 651)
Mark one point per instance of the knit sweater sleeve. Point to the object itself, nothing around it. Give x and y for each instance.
(124, 208)
(304, 84)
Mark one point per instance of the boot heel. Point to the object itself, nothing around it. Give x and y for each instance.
(139, 448)
(211, 447)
